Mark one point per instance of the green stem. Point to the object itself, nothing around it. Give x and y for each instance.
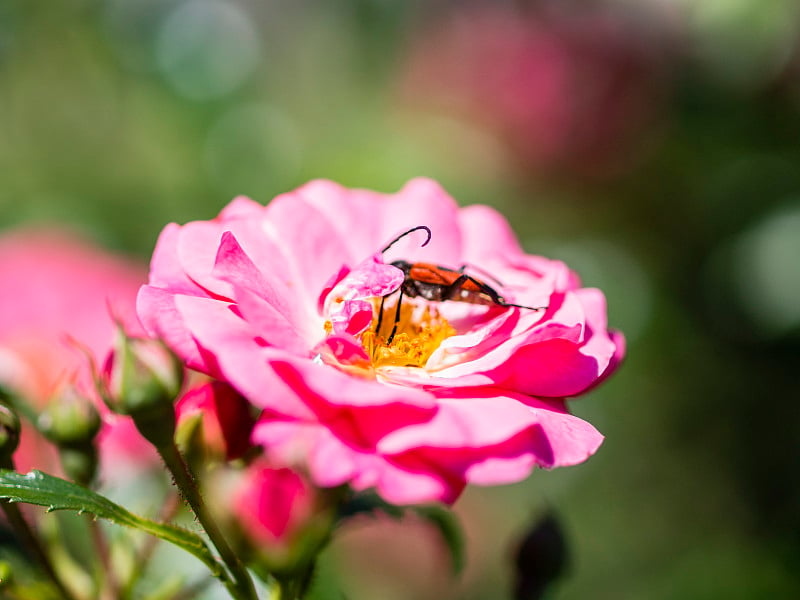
(241, 586)
(291, 588)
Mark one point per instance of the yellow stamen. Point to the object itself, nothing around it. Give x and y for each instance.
(416, 339)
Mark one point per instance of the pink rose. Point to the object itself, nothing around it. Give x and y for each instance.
(59, 287)
(282, 303)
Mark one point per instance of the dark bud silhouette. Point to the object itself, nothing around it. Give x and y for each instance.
(541, 558)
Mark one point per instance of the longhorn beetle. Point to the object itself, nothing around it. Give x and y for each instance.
(437, 284)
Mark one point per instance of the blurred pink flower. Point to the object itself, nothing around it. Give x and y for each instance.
(56, 287)
(264, 298)
(566, 91)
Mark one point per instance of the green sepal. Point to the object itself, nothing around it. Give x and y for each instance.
(55, 493)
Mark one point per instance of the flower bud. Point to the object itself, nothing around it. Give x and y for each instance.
(282, 522)
(9, 434)
(72, 422)
(70, 418)
(541, 558)
(214, 421)
(142, 378)
(140, 374)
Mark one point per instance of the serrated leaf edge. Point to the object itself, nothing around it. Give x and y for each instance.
(14, 485)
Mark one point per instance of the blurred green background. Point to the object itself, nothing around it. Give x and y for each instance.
(654, 145)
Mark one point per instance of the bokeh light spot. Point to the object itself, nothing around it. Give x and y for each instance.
(206, 49)
(766, 271)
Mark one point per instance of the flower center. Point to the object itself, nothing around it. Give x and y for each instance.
(420, 331)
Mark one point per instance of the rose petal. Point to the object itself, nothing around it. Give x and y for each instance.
(165, 266)
(487, 236)
(329, 285)
(423, 202)
(352, 214)
(241, 207)
(332, 461)
(488, 426)
(316, 250)
(241, 360)
(346, 308)
(339, 350)
(161, 318)
(273, 316)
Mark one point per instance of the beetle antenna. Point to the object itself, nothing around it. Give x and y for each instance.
(521, 306)
(412, 230)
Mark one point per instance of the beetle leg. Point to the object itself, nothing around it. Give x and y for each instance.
(454, 288)
(396, 317)
(380, 316)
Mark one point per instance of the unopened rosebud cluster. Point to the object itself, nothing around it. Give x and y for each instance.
(141, 378)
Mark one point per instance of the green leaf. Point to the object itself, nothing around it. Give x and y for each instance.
(55, 493)
(449, 529)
